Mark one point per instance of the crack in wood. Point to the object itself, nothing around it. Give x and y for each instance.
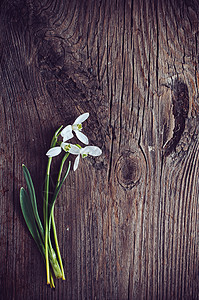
(180, 100)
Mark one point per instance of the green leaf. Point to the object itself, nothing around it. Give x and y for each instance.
(33, 201)
(52, 202)
(27, 210)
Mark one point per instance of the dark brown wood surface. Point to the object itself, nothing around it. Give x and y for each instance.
(128, 220)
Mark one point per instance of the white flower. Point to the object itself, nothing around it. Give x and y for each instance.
(75, 150)
(54, 151)
(67, 134)
(88, 150)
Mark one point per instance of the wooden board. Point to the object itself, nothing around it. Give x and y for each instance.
(128, 220)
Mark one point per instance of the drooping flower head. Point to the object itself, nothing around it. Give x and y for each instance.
(54, 151)
(83, 152)
(67, 134)
(75, 150)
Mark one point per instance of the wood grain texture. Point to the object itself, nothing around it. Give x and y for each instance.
(128, 220)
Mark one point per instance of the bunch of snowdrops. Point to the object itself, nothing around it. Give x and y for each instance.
(41, 231)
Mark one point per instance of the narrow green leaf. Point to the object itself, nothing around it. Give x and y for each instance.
(27, 210)
(32, 195)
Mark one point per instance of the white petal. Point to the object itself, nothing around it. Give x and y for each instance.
(67, 136)
(66, 133)
(81, 118)
(91, 150)
(76, 163)
(82, 137)
(54, 151)
(68, 128)
(74, 150)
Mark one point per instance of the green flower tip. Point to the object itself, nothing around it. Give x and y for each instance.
(58, 131)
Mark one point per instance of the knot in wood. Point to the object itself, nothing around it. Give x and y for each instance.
(128, 169)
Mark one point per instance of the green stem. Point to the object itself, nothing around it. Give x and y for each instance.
(46, 218)
(52, 285)
(45, 209)
(57, 245)
(61, 167)
(51, 218)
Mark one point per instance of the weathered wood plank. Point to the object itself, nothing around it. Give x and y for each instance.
(127, 221)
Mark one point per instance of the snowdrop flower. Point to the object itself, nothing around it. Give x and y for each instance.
(88, 150)
(75, 150)
(54, 151)
(67, 134)
(57, 150)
